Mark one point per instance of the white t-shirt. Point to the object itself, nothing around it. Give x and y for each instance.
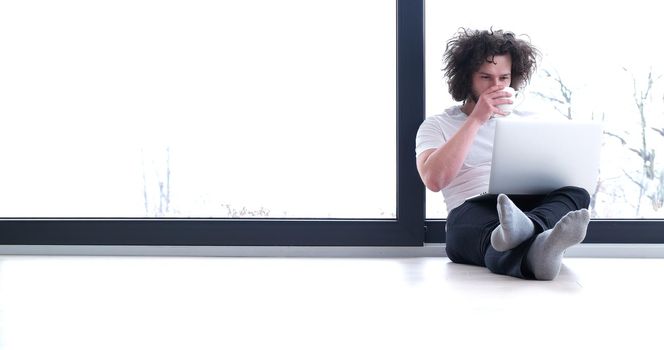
(473, 177)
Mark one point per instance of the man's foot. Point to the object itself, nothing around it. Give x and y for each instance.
(515, 227)
(546, 253)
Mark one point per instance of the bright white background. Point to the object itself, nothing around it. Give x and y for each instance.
(197, 108)
(204, 108)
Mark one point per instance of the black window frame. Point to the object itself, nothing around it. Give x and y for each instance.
(410, 228)
(406, 230)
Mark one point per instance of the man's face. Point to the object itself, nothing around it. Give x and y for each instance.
(490, 74)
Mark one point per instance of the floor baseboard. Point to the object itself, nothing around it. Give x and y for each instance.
(428, 250)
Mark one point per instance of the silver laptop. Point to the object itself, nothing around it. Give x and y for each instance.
(536, 156)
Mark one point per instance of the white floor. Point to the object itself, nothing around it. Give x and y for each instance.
(324, 303)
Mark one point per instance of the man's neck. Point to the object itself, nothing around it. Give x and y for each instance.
(468, 106)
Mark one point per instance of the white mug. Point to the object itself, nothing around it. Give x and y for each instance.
(516, 99)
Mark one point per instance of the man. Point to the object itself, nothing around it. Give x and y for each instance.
(525, 236)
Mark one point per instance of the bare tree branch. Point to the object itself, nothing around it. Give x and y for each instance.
(565, 92)
(636, 182)
(647, 156)
(622, 140)
(660, 131)
(638, 152)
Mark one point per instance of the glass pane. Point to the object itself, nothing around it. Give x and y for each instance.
(198, 108)
(606, 67)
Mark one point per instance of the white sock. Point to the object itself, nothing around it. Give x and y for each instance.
(546, 253)
(515, 227)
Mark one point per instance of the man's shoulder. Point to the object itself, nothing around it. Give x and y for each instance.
(452, 115)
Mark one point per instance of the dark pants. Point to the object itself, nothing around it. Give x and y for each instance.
(469, 227)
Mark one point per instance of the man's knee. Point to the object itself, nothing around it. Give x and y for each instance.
(580, 196)
(452, 253)
(460, 246)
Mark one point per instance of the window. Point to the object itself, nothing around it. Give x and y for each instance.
(607, 70)
(199, 109)
(159, 63)
(184, 122)
(593, 67)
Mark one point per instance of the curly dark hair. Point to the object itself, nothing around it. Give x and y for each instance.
(469, 49)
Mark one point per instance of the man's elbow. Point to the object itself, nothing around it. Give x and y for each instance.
(434, 183)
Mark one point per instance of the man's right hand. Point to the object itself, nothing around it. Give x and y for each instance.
(487, 104)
